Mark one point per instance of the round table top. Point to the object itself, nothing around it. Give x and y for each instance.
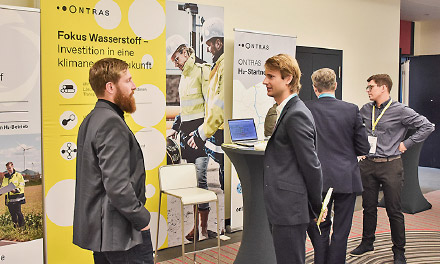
(242, 150)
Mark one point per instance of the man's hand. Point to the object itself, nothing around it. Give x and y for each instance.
(324, 216)
(191, 141)
(172, 133)
(146, 228)
(402, 147)
(361, 158)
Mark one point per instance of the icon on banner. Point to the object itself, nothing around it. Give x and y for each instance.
(68, 89)
(68, 151)
(239, 188)
(68, 120)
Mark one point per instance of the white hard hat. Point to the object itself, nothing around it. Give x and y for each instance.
(212, 28)
(173, 43)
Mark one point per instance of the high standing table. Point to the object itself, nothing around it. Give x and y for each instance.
(256, 244)
(411, 196)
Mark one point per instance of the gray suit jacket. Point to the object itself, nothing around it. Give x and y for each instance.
(110, 183)
(292, 171)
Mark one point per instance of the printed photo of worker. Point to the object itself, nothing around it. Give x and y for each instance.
(195, 109)
(21, 189)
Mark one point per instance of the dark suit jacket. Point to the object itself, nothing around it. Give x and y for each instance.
(342, 137)
(110, 183)
(292, 171)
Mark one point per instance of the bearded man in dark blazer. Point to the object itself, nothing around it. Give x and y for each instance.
(292, 171)
(342, 137)
(110, 218)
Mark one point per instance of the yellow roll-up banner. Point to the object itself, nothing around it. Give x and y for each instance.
(74, 35)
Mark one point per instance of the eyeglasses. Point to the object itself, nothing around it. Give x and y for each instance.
(369, 87)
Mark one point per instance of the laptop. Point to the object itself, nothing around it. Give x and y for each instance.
(243, 132)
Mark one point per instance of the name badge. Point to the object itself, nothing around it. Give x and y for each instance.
(373, 144)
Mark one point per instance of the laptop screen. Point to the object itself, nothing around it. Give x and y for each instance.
(242, 129)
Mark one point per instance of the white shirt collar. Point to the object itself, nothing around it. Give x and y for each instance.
(281, 106)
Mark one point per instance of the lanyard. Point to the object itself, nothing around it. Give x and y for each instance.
(374, 123)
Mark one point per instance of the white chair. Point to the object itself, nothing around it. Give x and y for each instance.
(180, 181)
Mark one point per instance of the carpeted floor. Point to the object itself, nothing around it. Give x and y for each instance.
(422, 232)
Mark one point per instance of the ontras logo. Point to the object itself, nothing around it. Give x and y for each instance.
(256, 46)
(73, 9)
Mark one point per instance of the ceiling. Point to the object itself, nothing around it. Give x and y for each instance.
(419, 10)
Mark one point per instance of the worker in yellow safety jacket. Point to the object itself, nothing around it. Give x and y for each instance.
(193, 87)
(210, 133)
(15, 198)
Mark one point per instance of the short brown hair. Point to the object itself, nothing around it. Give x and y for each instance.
(324, 79)
(382, 79)
(9, 163)
(104, 71)
(287, 65)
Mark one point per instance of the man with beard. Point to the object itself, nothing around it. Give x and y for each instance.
(109, 217)
(211, 131)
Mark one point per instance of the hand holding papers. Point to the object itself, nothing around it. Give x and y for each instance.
(324, 208)
(7, 188)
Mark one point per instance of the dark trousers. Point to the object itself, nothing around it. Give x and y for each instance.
(217, 140)
(140, 254)
(334, 251)
(390, 176)
(16, 214)
(290, 243)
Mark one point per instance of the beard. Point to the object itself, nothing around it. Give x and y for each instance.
(126, 103)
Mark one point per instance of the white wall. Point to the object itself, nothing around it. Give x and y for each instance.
(427, 38)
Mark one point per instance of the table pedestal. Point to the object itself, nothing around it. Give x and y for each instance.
(256, 244)
(412, 198)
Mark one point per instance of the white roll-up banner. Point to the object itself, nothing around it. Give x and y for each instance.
(21, 231)
(250, 100)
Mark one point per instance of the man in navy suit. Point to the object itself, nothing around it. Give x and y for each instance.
(292, 171)
(342, 137)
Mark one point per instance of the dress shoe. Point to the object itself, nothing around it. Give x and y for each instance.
(399, 258)
(362, 250)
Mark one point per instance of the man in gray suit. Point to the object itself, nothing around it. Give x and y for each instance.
(292, 171)
(110, 218)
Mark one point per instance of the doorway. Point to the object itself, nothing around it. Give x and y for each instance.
(311, 59)
(424, 98)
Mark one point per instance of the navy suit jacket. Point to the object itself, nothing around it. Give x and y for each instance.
(342, 137)
(292, 171)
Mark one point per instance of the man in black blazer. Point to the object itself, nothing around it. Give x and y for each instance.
(292, 171)
(109, 216)
(342, 137)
